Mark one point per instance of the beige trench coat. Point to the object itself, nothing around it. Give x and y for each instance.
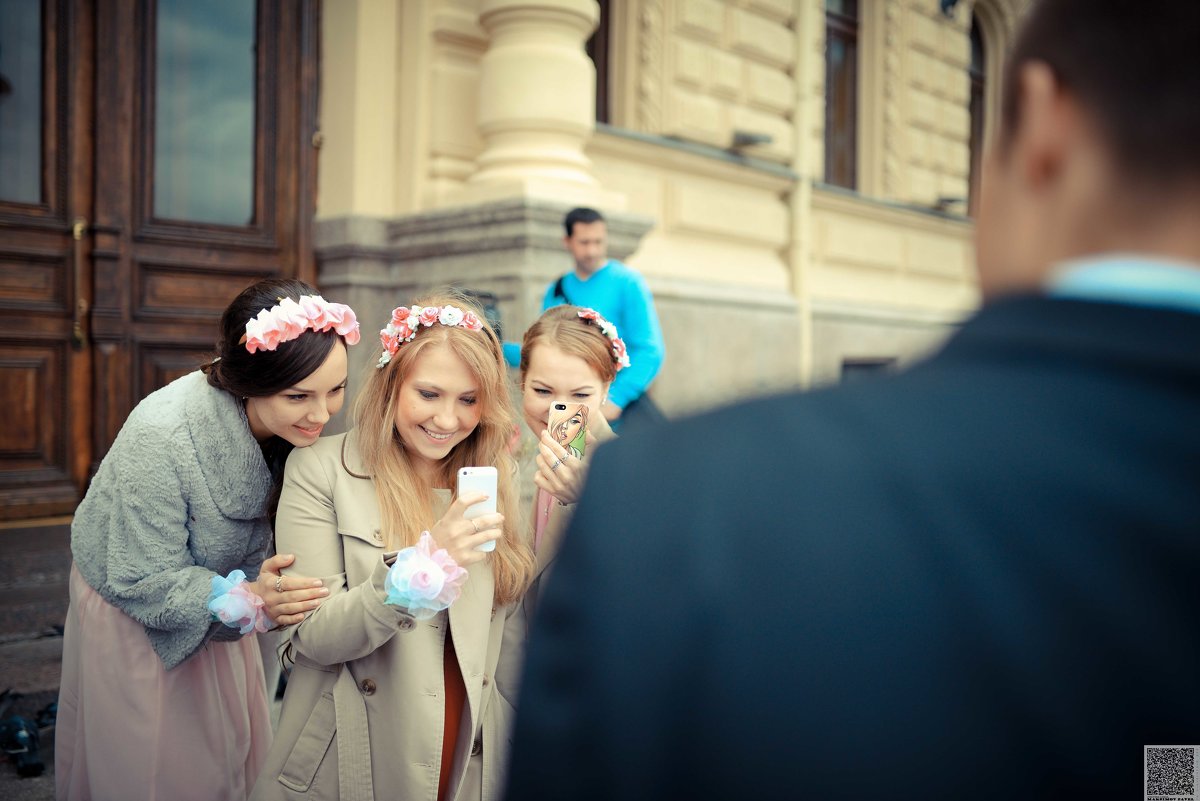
(363, 714)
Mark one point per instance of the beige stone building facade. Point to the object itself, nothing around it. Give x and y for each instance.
(454, 134)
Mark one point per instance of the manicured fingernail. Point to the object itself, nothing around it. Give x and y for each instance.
(317, 583)
(324, 591)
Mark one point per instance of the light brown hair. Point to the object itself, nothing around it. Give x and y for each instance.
(562, 327)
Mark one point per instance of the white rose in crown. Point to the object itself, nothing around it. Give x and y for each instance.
(451, 315)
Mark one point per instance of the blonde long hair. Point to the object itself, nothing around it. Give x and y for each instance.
(405, 503)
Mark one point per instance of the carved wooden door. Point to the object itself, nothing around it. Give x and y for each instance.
(174, 167)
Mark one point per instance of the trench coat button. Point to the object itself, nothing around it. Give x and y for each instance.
(377, 536)
(486, 681)
(406, 624)
(367, 686)
(477, 748)
(493, 613)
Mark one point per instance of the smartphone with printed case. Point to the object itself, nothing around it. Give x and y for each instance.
(479, 479)
(567, 423)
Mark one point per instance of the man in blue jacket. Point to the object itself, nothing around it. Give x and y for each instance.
(621, 296)
(976, 579)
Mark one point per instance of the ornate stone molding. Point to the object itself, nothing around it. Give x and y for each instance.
(651, 49)
(893, 90)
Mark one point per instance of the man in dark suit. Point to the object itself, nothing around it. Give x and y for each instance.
(977, 579)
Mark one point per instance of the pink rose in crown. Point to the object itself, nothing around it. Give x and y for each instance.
(264, 332)
(589, 314)
(471, 321)
(429, 315)
(343, 320)
(400, 314)
(406, 329)
(319, 313)
(620, 352)
(292, 314)
(389, 341)
(348, 328)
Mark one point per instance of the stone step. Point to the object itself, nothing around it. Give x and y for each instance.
(35, 564)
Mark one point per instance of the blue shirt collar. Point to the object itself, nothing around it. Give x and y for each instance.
(1131, 279)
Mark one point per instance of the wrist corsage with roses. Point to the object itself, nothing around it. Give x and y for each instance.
(233, 603)
(424, 579)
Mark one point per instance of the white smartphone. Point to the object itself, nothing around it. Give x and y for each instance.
(479, 479)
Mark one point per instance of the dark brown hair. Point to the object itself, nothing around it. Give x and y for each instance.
(581, 215)
(265, 372)
(1132, 66)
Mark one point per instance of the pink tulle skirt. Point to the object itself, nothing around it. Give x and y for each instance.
(130, 729)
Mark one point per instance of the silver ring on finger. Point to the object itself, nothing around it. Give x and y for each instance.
(279, 584)
(556, 465)
(475, 523)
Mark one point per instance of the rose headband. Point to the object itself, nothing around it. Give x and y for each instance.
(406, 321)
(291, 318)
(620, 354)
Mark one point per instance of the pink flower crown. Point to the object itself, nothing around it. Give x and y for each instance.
(407, 320)
(620, 353)
(290, 319)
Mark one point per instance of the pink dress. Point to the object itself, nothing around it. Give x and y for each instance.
(130, 729)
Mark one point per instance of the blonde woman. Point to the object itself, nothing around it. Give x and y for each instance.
(390, 698)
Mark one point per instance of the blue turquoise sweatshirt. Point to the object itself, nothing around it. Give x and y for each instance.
(621, 296)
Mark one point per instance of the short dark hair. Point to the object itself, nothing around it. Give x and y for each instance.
(581, 215)
(260, 374)
(1132, 66)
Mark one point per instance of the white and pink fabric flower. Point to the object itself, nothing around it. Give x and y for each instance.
(232, 602)
(424, 579)
(290, 318)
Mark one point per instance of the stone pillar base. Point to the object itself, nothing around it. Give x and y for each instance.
(724, 341)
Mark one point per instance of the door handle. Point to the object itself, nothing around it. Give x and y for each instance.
(79, 336)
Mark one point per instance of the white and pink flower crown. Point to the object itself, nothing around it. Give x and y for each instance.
(620, 354)
(291, 318)
(407, 320)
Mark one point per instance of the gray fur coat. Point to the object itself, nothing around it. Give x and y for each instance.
(181, 495)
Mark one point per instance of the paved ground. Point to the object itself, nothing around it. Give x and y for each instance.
(30, 669)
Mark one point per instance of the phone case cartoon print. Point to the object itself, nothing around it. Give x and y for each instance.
(568, 426)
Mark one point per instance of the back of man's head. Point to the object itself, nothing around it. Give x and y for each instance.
(581, 215)
(1134, 68)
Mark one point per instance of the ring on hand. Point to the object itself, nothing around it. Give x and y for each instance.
(475, 523)
(555, 466)
(279, 584)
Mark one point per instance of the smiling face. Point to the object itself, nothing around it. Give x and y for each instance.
(555, 376)
(299, 413)
(438, 406)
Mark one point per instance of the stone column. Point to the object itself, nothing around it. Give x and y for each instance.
(537, 103)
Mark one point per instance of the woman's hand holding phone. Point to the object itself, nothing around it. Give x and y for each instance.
(462, 537)
(560, 473)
